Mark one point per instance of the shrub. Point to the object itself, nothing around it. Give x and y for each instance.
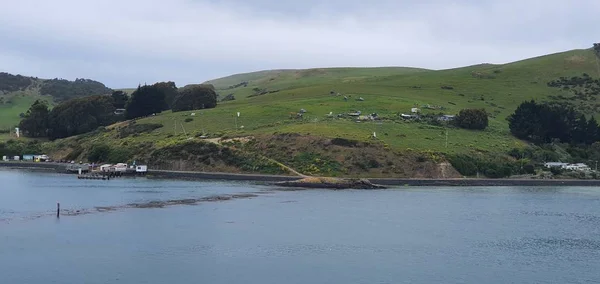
(189, 119)
(344, 142)
(472, 119)
(99, 153)
(134, 128)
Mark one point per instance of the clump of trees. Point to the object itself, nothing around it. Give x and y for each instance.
(85, 114)
(69, 118)
(597, 48)
(80, 115)
(472, 119)
(63, 90)
(35, 121)
(146, 100)
(195, 97)
(170, 91)
(546, 122)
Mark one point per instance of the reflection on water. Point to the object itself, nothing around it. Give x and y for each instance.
(405, 235)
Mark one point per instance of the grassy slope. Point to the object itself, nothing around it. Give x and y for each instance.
(20, 103)
(388, 95)
(387, 91)
(273, 80)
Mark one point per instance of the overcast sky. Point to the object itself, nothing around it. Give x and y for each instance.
(126, 42)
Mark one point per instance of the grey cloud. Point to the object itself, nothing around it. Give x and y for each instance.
(123, 43)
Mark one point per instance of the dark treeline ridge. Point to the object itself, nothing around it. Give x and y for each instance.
(63, 90)
(12, 83)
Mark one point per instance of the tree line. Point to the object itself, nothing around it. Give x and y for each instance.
(63, 90)
(85, 114)
(543, 123)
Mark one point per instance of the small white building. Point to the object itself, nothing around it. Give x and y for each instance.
(578, 167)
(556, 165)
(4, 158)
(415, 110)
(16, 158)
(141, 169)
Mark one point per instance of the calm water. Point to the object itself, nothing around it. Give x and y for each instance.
(405, 235)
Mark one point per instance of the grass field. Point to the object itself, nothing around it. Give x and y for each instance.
(19, 103)
(387, 91)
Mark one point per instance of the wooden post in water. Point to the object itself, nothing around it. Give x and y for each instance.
(57, 210)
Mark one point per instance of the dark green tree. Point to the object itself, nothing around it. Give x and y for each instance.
(145, 101)
(195, 97)
(472, 119)
(35, 122)
(170, 91)
(120, 99)
(579, 131)
(80, 115)
(593, 131)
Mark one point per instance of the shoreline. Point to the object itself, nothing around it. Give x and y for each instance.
(417, 182)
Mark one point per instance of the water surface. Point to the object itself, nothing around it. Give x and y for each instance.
(404, 235)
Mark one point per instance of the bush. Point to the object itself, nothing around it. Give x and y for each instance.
(119, 155)
(344, 142)
(99, 153)
(491, 167)
(472, 119)
(189, 119)
(134, 128)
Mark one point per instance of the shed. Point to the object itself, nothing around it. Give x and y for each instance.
(28, 157)
(141, 169)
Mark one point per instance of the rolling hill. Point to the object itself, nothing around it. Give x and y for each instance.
(326, 141)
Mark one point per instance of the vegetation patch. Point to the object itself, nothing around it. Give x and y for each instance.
(137, 128)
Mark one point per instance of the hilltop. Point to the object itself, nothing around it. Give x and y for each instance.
(269, 137)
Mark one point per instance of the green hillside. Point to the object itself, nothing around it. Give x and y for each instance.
(268, 102)
(243, 85)
(497, 88)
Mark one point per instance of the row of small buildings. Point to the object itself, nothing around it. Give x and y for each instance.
(566, 166)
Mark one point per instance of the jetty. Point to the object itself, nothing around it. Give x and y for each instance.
(94, 176)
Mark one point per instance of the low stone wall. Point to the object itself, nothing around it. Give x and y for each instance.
(484, 182)
(33, 165)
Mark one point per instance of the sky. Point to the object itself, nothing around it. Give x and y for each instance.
(123, 43)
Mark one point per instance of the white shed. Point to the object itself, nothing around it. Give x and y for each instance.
(141, 169)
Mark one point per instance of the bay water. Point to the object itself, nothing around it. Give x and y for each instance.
(399, 235)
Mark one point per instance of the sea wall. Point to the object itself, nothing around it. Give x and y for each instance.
(33, 165)
(484, 182)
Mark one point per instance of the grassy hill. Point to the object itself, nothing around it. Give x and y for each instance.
(268, 101)
(243, 85)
